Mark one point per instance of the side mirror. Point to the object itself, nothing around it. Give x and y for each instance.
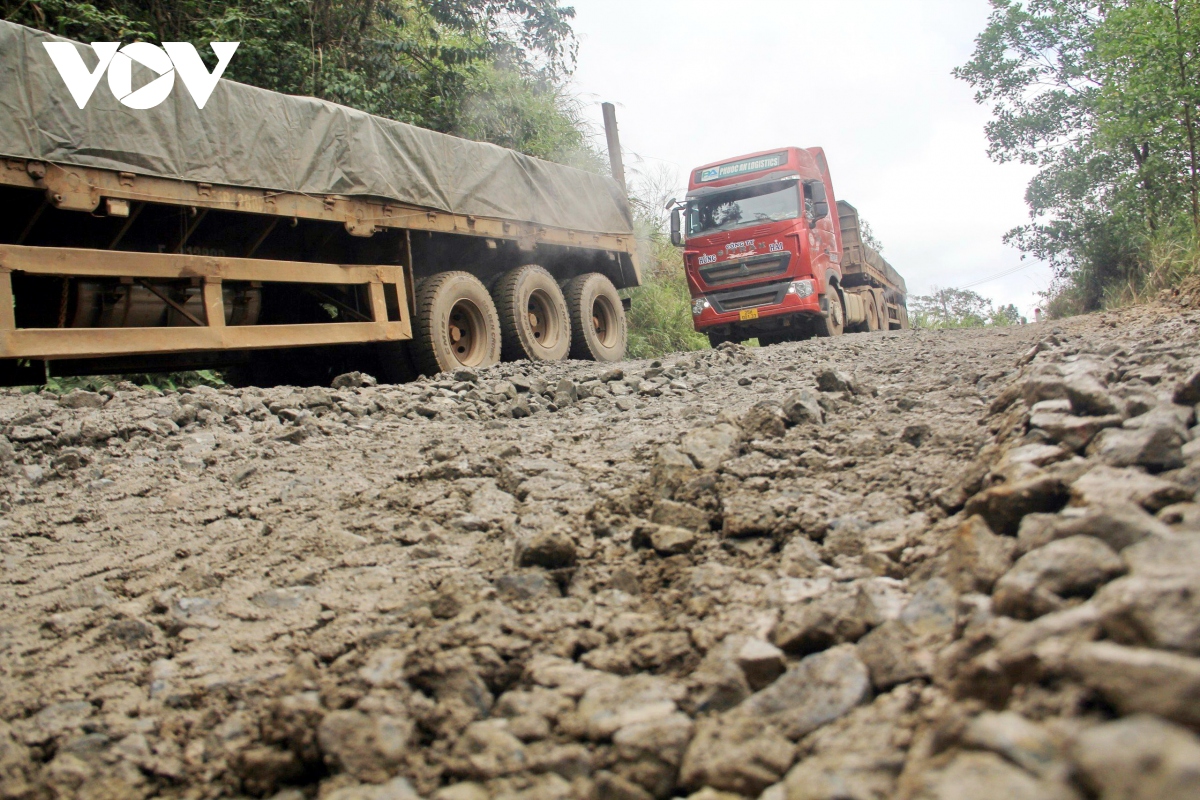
(816, 201)
(676, 225)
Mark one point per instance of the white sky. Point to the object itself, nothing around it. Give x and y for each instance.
(696, 81)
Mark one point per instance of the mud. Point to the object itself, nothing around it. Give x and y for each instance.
(911, 564)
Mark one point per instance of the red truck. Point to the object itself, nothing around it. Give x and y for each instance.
(770, 253)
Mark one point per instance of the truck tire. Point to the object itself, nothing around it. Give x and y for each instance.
(455, 325)
(881, 308)
(598, 327)
(534, 322)
(834, 322)
(872, 323)
(868, 315)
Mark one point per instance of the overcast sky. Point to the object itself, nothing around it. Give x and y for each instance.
(696, 81)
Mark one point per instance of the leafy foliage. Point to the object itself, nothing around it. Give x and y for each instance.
(660, 317)
(155, 381)
(1006, 315)
(1104, 97)
(868, 236)
(533, 115)
(959, 308)
(488, 69)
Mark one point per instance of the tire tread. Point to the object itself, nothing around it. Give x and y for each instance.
(425, 300)
(504, 295)
(573, 292)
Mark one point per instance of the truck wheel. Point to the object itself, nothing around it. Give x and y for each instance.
(872, 323)
(534, 322)
(715, 340)
(598, 328)
(881, 310)
(455, 325)
(833, 323)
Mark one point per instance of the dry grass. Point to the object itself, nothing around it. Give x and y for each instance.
(1169, 262)
(1170, 265)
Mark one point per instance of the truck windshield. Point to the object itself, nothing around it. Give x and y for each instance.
(739, 208)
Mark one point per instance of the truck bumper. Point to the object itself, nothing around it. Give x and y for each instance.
(762, 307)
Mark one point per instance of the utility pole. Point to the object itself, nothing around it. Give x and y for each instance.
(614, 145)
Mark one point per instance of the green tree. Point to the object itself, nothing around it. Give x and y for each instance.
(1101, 96)
(489, 69)
(951, 308)
(1147, 54)
(1033, 65)
(1005, 315)
(867, 234)
(534, 115)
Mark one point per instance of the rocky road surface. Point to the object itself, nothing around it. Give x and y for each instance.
(914, 564)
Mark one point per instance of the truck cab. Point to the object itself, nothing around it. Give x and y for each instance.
(763, 247)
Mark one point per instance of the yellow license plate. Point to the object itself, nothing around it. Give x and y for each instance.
(749, 313)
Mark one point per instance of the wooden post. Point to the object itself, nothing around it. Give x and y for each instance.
(378, 302)
(410, 283)
(8, 320)
(614, 144)
(214, 303)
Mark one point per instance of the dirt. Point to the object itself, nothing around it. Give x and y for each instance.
(912, 564)
(1187, 294)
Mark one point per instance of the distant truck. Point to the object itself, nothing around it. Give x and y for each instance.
(277, 235)
(770, 254)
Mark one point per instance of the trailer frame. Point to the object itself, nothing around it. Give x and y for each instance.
(103, 192)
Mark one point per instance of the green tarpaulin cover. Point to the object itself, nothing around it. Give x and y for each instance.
(252, 137)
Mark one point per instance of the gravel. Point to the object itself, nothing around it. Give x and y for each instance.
(911, 564)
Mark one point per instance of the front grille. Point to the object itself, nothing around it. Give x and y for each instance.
(742, 270)
(750, 297)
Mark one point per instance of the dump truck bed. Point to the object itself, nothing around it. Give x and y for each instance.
(862, 264)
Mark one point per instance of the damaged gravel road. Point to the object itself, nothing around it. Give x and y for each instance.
(956, 564)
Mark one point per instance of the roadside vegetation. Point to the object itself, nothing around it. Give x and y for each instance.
(150, 381)
(660, 318)
(491, 70)
(1103, 96)
(959, 308)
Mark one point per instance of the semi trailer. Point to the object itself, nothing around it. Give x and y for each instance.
(266, 231)
(770, 253)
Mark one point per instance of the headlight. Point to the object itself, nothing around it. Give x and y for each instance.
(698, 306)
(801, 288)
